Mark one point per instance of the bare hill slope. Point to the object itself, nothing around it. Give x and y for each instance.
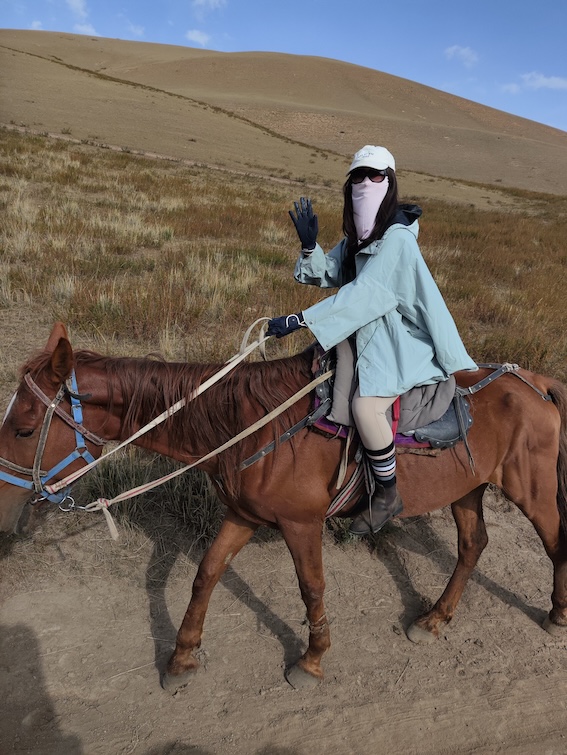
(281, 114)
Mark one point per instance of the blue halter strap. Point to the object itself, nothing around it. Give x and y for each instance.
(39, 478)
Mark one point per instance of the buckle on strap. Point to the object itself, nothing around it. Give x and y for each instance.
(61, 412)
(499, 370)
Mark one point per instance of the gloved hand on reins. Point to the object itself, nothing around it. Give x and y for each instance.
(306, 223)
(283, 326)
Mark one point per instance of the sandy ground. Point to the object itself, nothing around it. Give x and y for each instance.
(87, 624)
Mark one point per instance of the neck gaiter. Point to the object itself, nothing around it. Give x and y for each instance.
(366, 200)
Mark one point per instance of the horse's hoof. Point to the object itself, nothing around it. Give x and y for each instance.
(173, 684)
(300, 679)
(555, 630)
(419, 635)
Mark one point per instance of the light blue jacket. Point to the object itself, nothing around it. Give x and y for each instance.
(405, 335)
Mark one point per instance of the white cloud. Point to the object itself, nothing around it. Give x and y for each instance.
(202, 7)
(208, 5)
(465, 55)
(36, 25)
(78, 8)
(535, 81)
(199, 37)
(135, 29)
(85, 29)
(81, 12)
(539, 81)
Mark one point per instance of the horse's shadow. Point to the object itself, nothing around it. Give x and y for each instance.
(162, 560)
(6, 545)
(418, 536)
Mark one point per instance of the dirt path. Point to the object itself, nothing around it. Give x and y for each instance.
(86, 625)
(415, 184)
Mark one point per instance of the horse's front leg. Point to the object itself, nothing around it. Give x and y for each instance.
(472, 540)
(234, 533)
(305, 544)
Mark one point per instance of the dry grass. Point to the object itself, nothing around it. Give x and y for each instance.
(140, 256)
(159, 256)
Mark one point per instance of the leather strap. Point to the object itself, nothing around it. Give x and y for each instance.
(62, 413)
(499, 370)
(310, 419)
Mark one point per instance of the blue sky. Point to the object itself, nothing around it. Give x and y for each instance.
(502, 53)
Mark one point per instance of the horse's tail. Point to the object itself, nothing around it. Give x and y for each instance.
(558, 393)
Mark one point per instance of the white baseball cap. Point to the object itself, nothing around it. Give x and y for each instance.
(373, 157)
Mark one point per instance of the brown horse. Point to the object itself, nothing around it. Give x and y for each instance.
(518, 441)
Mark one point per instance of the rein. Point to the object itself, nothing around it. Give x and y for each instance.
(245, 350)
(102, 504)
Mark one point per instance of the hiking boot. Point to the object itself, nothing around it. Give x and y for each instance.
(384, 504)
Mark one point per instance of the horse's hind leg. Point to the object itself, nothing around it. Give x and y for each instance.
(472, 540)
(234, 533)
(546, 521)
(531, 482)
(305, 544)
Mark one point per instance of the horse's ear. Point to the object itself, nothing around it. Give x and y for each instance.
(62, 361)
(59, 331)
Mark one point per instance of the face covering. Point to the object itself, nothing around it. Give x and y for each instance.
(366, 200)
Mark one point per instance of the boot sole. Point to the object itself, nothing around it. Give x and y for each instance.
(368, 530)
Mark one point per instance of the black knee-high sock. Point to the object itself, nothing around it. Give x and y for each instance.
(383, 463)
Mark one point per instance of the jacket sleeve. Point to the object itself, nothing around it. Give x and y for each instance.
(368, 297)
(320, 269)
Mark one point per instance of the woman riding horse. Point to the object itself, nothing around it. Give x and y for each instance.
(405, 335)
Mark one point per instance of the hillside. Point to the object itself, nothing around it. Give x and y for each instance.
(286, 115)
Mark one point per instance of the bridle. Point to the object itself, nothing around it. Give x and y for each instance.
(38, 477)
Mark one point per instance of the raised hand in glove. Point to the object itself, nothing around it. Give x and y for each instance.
(283, 326)
(305, 222)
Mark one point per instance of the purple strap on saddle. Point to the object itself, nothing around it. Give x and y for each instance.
(340, 431)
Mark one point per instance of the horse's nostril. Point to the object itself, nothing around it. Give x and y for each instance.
(21, 527)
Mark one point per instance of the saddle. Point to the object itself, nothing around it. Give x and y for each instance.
(432, 416)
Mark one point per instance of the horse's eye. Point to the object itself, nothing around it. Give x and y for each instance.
(24, 433)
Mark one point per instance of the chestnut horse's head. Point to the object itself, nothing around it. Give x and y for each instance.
(21, 430)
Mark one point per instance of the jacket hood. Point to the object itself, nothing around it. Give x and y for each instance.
(407, 214)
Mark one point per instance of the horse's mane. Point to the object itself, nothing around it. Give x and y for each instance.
(150, 385)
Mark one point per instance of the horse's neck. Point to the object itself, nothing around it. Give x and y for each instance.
(134, 392)
(137, 391)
